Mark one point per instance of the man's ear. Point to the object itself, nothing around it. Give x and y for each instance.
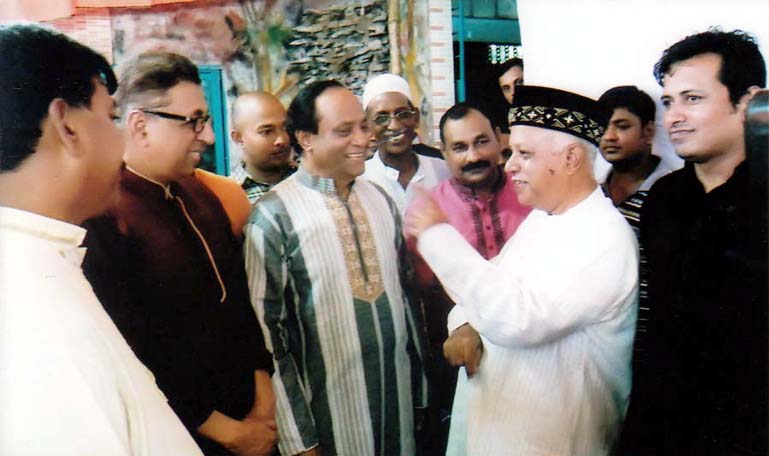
(236, 137)
(304, 138)
(742, 105)
(136, 127)
(60, 118)
(575, 156)
(648, 131)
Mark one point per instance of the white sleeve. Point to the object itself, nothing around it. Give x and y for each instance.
(511, 312)
(456, 318)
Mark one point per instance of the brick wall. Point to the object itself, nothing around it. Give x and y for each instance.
(441, 60)
(90, 26)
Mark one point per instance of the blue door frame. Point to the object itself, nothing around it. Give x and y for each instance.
(217, 157)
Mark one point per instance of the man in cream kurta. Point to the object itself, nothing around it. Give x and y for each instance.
(556, 308)
(69, 383)
(325, 257)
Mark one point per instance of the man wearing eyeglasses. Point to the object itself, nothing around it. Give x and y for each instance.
(393, 119)
(168, 268)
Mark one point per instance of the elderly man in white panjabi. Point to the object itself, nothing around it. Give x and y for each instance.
(556, 309)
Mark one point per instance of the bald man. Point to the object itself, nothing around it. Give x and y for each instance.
(259, 121)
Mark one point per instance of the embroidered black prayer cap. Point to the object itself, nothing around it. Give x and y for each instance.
(559, 110)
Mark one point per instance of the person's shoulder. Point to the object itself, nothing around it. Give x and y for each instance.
(437, 168)
(662, 170)
(231, 195)
(368, 186)
(272, 204)
(221, 185)
(374, 190)
(672, 179)
(427, 151)
(432, 161)
(669, 190)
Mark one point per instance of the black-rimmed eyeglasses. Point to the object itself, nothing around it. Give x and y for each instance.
(384, 119)
(198, 123)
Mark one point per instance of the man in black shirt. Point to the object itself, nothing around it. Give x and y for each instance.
(703, 388)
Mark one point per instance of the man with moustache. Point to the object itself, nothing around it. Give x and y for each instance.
(703, 387)
(480, 202)
(259, 119)
(557, 323)
(325, 257)
(393, 120)
(169, 270)
(69, 382)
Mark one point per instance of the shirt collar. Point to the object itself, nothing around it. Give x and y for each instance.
(66, 236)
(321, 184)
(240, 175)
(393, 174)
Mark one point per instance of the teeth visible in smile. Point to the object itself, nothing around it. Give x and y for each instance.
(396, 137)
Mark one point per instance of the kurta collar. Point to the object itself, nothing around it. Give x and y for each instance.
(393, 174)
(165, 188)
(321, 184)
(596, 197)
(66, 236)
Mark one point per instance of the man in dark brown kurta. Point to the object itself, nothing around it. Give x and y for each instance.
(170, 272)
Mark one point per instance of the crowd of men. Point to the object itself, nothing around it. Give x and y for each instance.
(325, 301)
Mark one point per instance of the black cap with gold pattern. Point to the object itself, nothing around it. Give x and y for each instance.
(558, 110)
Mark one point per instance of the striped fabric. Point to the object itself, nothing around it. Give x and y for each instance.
(325, 281)
(631, 210)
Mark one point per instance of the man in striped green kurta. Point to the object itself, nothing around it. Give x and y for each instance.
(324, 259)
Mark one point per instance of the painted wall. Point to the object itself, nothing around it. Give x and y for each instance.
(592, 45)
(281, 45)
(256, 44)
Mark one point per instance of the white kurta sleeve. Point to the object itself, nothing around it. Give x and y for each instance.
(457, 318)
(512, 312)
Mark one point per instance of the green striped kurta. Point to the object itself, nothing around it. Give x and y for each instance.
(325, 279)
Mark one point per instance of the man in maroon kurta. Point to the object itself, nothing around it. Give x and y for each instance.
(169, 270)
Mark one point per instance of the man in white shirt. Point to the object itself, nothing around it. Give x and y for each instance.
(556, 309)
(393, 119)
(69, 383)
